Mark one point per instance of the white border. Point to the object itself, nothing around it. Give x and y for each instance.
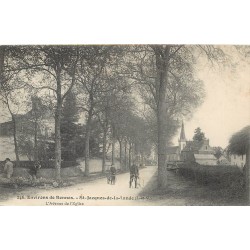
(124, 22)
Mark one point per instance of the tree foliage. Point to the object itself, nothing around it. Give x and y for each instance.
(239, 143)
(198, 135)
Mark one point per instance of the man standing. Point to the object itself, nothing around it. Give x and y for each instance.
(112, 175)
(34, 170)
(134, 175)
(8, 168)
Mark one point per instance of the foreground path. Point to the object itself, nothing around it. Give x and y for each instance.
(96, 192)
(179, 192)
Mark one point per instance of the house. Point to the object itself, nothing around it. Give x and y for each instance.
(200, 152)
(205, 159)
(222, 160)
(39, 114)
(238, 160)
(235, 160)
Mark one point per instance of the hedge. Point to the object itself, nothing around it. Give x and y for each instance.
(218, 175)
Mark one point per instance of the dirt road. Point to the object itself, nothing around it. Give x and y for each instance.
(96, 192)
(179, 192)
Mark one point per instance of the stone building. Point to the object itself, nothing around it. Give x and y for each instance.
(193, 151)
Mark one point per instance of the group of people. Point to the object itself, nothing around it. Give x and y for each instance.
(9, 169)
(134, 172)
(134, 175)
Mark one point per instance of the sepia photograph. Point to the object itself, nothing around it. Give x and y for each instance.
(124, 125)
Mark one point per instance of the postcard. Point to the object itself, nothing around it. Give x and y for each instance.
(124, 125)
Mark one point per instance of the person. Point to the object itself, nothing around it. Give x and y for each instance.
(34, 170)
(112, 175)
(113, 170)
(134, 175)
(8, 168)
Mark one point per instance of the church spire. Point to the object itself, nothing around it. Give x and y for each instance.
(182, 136)
(182, 140)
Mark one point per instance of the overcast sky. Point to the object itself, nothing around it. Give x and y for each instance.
(226, 108)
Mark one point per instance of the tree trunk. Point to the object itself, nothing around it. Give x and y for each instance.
(247, 171)
(15, 140)
(58, 150)
(120, 144)
(87, 152)
(130, 155)
(162, 57)
(87, 138)
(35, 143)
(104, 143)
(2, 50)
(113, 147)
(113, 152)
(126, 155)
(142, 159)
(161, 119)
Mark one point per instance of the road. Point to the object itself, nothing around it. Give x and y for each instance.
(96, 192)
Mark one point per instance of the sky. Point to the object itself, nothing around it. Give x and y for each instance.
(226, 108)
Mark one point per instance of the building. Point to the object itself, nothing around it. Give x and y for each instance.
(222, 160)
(39, 114)
(238, 160)
(200, 152)
(235, 160)
(192, 151)
(174, 153)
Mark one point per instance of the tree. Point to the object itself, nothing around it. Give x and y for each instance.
(92, 75)
(198, 135)
(121, 125)
(30, 137)
(239, 144)
(10, 99)
(109, 107)
(218, 152)
(69, 127)
(88, 76)
(56, 67)
(12, 88)
(138, 136)
(169, 87)
(104, 122)
(2, 55)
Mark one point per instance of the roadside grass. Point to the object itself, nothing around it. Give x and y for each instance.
(213, 188)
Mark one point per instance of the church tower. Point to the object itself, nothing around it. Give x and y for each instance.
(182, 140)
